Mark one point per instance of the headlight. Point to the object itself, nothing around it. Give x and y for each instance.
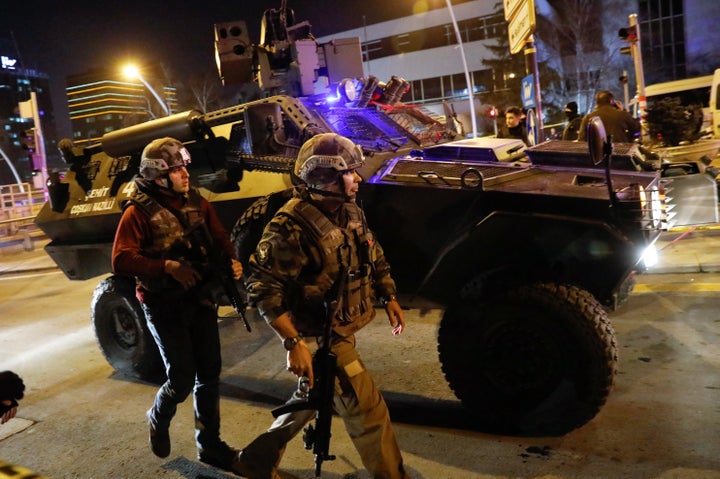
(649, 256)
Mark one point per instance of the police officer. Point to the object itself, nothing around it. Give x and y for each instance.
(151, 244)
(315, 235)
(570, 133)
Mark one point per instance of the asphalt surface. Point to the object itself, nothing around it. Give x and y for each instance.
(659, 418)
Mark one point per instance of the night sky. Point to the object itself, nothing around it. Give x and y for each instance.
(71, 37)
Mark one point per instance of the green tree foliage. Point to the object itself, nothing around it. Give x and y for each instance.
(670, 122)
(509, 70)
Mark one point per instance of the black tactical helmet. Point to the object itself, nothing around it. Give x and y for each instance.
(160, 155)
(326, 156)
(571, 108)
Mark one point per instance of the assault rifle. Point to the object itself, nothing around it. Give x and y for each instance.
(320, 397)
(220, 268)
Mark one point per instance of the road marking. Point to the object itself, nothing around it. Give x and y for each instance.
(676, 288)
(12, 275)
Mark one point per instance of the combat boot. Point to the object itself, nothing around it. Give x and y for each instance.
(260, 458)
(219, 455)
(159, 438)
(245, 468)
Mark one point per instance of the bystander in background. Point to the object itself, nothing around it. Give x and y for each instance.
(514, 126)
(619, 124)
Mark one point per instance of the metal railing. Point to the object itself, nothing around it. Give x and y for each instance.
(19, 204)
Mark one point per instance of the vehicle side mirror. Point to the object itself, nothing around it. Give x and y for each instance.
(598, 141)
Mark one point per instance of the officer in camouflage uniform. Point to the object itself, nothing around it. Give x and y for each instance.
(153, 243)
(315, 235)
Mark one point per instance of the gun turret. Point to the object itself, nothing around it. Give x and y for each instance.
(184, 126)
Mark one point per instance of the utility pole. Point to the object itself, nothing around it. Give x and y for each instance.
(631, 35)
(520, 15)
(531, 68)
(29, 109)
(468, 78)
(39, 140)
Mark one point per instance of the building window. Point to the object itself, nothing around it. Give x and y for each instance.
(476, 29)
(432, 88)
(662, 29)
(459, 85)
(416, 90)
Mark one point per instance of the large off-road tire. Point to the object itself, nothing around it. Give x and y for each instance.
(122, 332)
(537, 360)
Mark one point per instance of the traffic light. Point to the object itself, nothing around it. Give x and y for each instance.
(629, 34)
(492, 112)
(27, 140)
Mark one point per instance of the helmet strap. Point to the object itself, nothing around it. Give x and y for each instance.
(164, 182)
(327, 194)
(332, 194)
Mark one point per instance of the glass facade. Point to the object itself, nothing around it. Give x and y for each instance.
(662, 34)
(679, 38)
(16, 83)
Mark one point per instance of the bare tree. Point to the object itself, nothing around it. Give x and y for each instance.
(508, 72)
(580, 39)
(205, 91)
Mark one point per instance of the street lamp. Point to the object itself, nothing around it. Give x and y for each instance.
(132, 72)
(468, 79)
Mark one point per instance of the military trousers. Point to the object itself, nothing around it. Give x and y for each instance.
(363, 410)
(186, 333)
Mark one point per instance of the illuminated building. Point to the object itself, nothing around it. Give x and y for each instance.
(423, 49)
(679, 39)
(101, 101)
(16, 83)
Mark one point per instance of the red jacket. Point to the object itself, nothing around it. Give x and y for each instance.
(134, 234)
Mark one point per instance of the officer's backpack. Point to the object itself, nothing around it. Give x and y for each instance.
(248, 229)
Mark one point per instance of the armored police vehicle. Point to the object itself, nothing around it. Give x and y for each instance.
(523, 255)
(525, 249)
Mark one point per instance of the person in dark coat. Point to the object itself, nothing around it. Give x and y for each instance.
(619, 124)
(514, 126)
(573, 122)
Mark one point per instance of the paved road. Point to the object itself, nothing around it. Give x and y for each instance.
(81, 420)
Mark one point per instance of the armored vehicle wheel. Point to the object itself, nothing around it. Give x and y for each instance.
(540, 359)
(122, 334)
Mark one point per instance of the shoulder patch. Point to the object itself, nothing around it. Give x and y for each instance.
(263, 252)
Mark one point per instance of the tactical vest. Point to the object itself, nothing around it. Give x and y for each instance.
(354, 247)
(168, 233)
